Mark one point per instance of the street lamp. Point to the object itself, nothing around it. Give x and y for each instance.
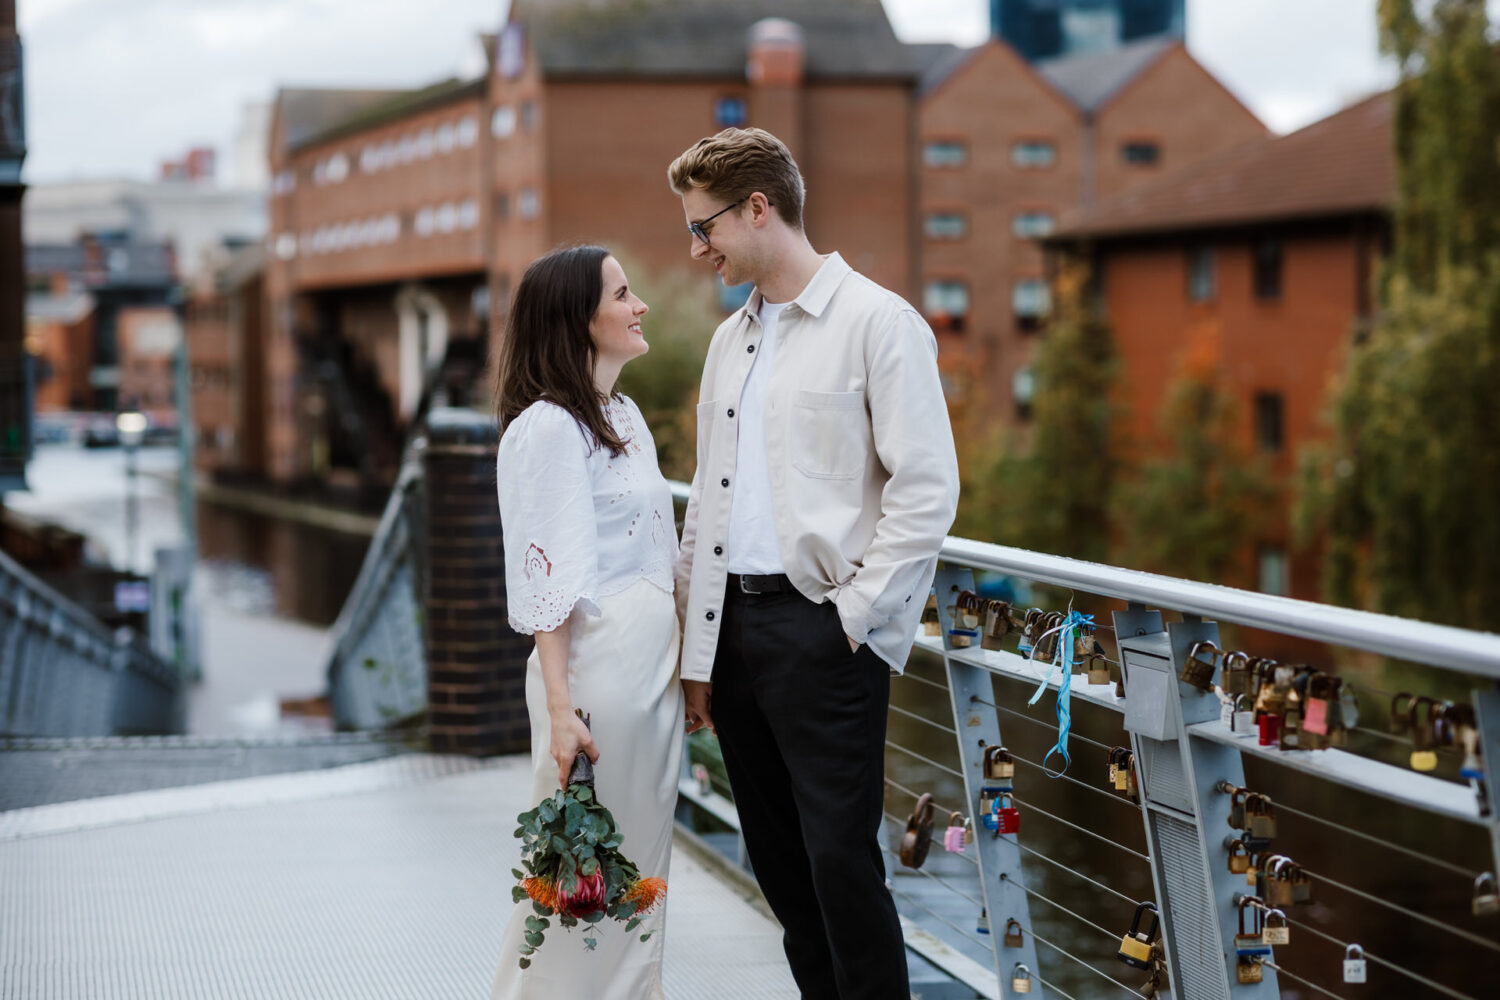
(131, 426)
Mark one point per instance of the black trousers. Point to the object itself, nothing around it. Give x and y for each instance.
(801, 723)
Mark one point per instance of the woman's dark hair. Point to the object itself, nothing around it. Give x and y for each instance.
(546, 351)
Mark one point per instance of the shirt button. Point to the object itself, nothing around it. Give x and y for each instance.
(723, 482)
(709, 616)
(750, 349)
(718, 550)
(731, 413)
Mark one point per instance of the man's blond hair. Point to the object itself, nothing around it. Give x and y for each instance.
(738, 162)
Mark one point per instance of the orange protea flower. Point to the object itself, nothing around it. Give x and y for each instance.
(541, 890)
(646, 893)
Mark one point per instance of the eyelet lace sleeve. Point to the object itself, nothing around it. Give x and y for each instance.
(547, 517)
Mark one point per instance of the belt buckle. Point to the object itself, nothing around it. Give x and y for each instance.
(744, 588)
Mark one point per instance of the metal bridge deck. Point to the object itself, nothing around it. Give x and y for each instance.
(386, 879)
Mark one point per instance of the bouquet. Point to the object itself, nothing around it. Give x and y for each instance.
(574, 871)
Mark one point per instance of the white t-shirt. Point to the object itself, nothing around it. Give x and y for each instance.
(578, 523)
(752, 543)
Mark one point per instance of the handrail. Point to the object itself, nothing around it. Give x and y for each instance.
(1441, 646)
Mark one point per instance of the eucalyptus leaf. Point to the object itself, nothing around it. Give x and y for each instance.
(534, 938)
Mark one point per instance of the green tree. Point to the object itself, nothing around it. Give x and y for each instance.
(1405, 492)
(1193, 510)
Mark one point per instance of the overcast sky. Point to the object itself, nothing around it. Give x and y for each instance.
(114, 86)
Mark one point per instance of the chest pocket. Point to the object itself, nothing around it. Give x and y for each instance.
(829, 434)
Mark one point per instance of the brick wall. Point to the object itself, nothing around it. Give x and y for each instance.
(476, 666)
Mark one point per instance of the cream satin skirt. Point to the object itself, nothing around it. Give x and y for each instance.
(622, 671)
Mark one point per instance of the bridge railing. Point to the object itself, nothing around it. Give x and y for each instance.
(1351, 846)
(62, 673)
(377, 669)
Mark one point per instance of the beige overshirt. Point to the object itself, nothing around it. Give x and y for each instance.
(864, 481)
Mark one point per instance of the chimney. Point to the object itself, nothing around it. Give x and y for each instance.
(775, 69)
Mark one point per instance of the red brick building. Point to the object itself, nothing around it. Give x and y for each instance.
(1008, 148)
(223, 321)
(1261, 259)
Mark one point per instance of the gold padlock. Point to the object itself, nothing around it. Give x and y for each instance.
(1234, 674)
(998, 763)
(1239, 858)
(1020, 979)
(1260, 814)
(931, 623)
(1098, 668)
(1250, 970)
(1013, 933)
(996, 625)
(1136, 945)
(1423, 735)
(1275, 930)
(1198, 668)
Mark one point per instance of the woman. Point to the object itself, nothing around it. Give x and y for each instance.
(590, 544)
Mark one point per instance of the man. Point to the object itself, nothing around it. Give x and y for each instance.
(826, 482)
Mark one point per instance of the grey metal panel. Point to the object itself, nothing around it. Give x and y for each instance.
(1162, 772)
(1198, 968)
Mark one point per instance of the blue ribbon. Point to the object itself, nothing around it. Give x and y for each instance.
(1065, 643)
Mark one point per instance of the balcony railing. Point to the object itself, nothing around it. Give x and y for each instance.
(1370, 861)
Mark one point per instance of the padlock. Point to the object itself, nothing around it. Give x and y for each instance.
(1237, 808)
(1400, 712)
(968, 610)
(996, 625)
(1315, 712)
(961, 638)
(1250, 971)
(1249, 941)
(1279, 883)
(1243, 718)
(1020, 979)
(1098, 668)
(1135, 946)
(1028, 632)
(982, 925)
(917, 839)
(1486, 898)
(932, 624)
(1233, 677)
(1260, 814)
(1007, 816)
(1348, 706)
(1289, 736)
(1423, 737)
(1047, 634)
(1301, 886)
(1275, 930)
(1354, 964)
(1116, 781)
(1199, 665)
(989, 803)
(1270, 728)
(1253, 873)
(1083, 643)
(1132, 790)
(1239, 858)
(1013, 937)
(999, 765)
(953, 834)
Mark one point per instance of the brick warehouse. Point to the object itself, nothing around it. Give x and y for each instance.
(1260, 262)
(400, 220)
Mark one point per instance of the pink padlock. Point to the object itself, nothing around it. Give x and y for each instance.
(953, 836)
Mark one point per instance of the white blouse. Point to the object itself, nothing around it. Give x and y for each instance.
(579, 524)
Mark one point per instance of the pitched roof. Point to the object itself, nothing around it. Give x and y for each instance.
(1342, 165)
(307, 112)
(937, 61)
(1092, 78)
(399, 104)
(845, 38)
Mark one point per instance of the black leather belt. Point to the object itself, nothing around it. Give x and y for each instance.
(775, 583)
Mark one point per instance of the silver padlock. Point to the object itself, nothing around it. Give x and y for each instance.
(1486, 898)
(1243, 722)
(1354, 964)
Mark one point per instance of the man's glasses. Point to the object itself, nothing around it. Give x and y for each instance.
(698, 228)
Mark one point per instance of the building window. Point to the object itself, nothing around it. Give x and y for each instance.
(729, 112)
(426, 144)
(426, 222)
(1031, 299)
(1272, 570)
(1023, 391)
(467, 132)
(1200, 274)
(285, 182)
(527, 203)
(945, 153)
(445, 138)
(1141, 153)
(503, 122)
(1033, 154)
(528, 115)
(946, 304)
(1031, 225)
(1268, 269)
(945, 226)
(1270, 427)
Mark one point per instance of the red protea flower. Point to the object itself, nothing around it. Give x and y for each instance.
(585, 898)
(646, 893)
